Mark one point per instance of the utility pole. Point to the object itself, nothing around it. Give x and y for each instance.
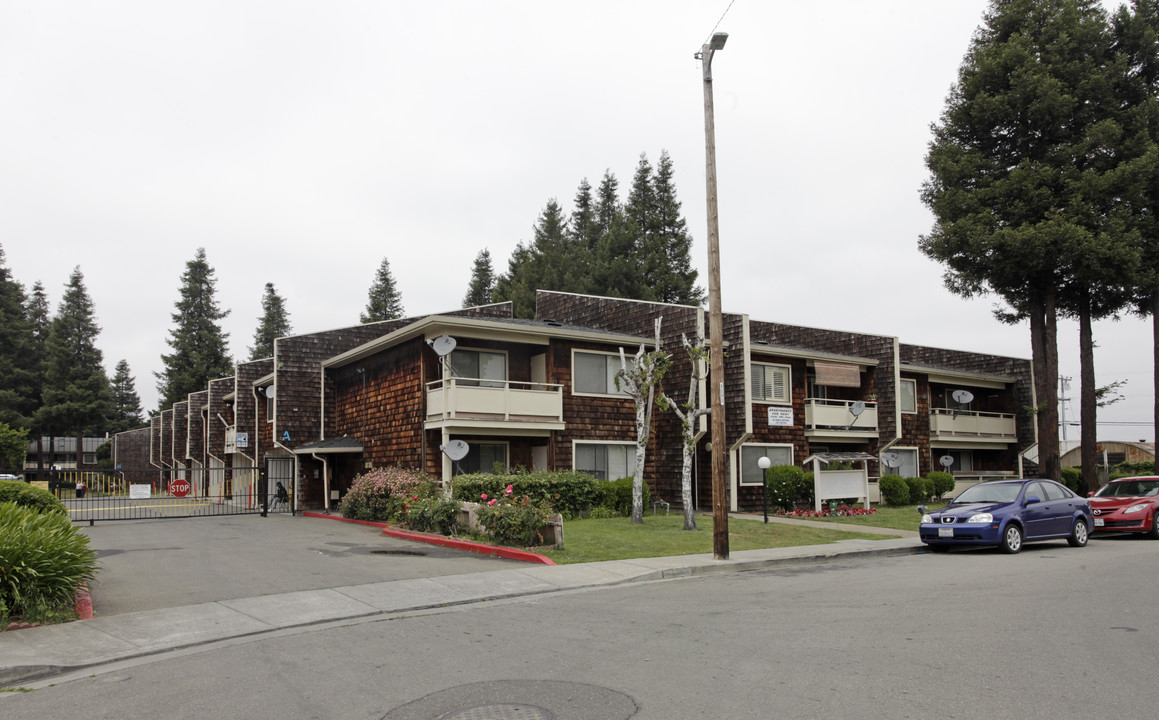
(715, 319)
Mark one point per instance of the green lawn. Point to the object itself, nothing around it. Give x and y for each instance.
(902, 517)
(588, 540)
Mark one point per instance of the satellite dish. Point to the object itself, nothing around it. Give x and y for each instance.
(456, 450)
(946, 460)
(891, 459)
(443, 345)
(857, 408)
(962, 397)
(270, 391)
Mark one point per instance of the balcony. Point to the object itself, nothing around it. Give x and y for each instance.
(495, 404)
(834, 419)
(970, 426)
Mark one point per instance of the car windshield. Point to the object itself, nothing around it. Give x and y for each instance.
(990, 493)
(1129, 488)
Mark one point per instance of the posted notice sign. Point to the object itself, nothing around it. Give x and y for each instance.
(780, 417)
(140, 491)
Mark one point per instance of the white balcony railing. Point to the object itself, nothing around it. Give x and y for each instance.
(823, 414)
(481, 399)
(947, 423)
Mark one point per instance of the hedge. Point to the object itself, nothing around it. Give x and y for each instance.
(570, 494)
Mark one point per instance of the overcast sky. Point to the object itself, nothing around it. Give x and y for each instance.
(302, 142)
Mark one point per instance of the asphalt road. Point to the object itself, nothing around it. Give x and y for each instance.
(1054, 632)
(154, 564)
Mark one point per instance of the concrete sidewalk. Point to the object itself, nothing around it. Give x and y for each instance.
(42, 652)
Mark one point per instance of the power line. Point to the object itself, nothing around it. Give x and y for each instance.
(718, 22)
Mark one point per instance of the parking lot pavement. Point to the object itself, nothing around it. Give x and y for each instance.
(156, 564)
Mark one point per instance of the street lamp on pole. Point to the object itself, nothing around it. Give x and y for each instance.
(715, 320)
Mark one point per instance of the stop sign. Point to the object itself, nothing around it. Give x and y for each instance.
(178, 487)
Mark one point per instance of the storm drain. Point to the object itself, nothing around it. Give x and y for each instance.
(501, 712)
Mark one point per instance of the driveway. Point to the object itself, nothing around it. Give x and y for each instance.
(156, 564)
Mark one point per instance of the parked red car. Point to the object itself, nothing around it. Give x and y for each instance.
(1128, 505)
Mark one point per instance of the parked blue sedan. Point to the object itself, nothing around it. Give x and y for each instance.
(1008, 513)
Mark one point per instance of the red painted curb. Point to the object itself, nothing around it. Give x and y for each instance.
(469, 546)
(84, 603)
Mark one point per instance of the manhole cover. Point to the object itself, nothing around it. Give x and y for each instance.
(500, 712)
(398, 552)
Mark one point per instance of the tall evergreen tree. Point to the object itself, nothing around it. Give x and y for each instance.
(678, 282)
(1010, 183)
(18, 394)
(482, 284)
(1137, 38)
(542, 264)
(273, 323)
(126, 412)
(77, 400)
(384, 301)
(41, 322)
(200, 349)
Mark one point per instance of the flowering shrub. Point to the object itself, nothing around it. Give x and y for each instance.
(380, 494)
(511, 519)
(844, 510)
(789, 485)
(432, 514)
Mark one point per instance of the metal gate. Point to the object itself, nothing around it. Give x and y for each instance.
(154, 493)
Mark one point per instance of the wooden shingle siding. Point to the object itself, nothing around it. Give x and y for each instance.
(245, 405)
(382, 406)
(155, 442)
(180, 432)
(166, 458)
(197, 426)
(131, 449)
(215, 429)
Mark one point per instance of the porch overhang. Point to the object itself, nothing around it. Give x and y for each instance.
(461, 426)
(332, 446)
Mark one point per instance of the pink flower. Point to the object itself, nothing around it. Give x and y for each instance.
(510, 489)
(483, 496)
(492, 502)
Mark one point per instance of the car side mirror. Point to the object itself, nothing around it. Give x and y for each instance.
(1033, 499)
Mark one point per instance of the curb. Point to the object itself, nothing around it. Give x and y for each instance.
(431, 539)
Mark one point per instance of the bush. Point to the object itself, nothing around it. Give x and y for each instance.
(941, 482)
(30, 496)
(1127, 469)
(380, 494)
(788, 486)
(570, 493)
(43, 560)
(1073, 479)
(617, 496)
(920, 490)
(511, 519)
(432, 514)
(894, 490)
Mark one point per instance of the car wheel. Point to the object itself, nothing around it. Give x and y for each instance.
(1080, 534)
(1011, 539)
(1154, 534)
(938, 547)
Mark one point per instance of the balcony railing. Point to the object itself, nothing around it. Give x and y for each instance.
(836, 415)
(965, 424)
(484, 399)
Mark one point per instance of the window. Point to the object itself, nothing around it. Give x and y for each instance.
(963, 461)
(607, 461)
(909, 463)
(479, 368)
(907, 397)
(482, 457)
(750, 455)
(770, 383)
(89, 459)
(595, 373)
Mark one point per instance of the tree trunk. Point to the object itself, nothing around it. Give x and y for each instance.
(1044, 353)
(1155, 360)
(1088, 411)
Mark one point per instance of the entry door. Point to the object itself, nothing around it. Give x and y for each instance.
(278, 470)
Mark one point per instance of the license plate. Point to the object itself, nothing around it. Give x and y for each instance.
(946, 532)
(1098, 522)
